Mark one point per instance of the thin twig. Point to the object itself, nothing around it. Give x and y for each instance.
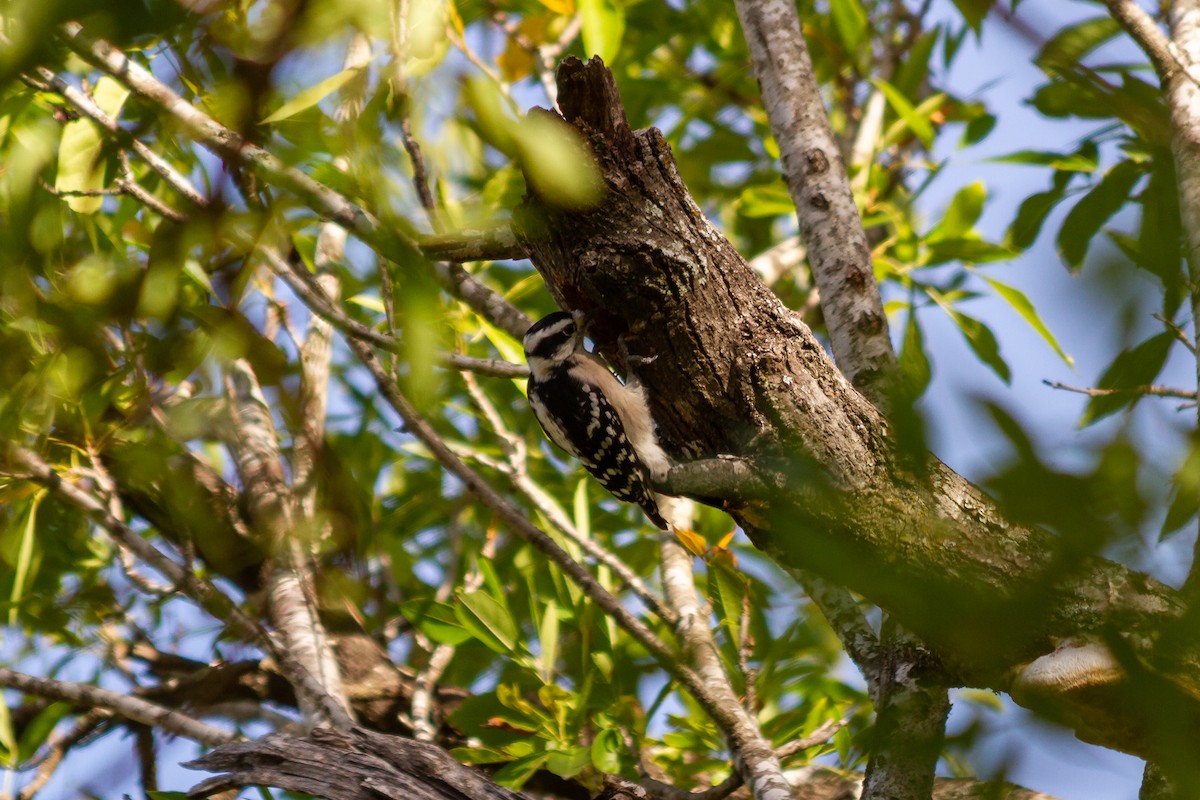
(1149, 391)
(1178, 332)
(84, 727)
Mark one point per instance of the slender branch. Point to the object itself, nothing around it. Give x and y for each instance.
(389, 242)
(758, 764)
(492, 367)
(1138, 23)
(270, 505)
(830, 226)
(131, 708)
(84, 727)
(1150, 391)
(484, 244)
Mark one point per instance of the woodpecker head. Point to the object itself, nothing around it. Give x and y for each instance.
(550, 341)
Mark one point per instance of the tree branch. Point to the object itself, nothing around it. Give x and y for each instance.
(1145, 31)
(733, 372)
(270, 505)
(830, 227)
(131, 708)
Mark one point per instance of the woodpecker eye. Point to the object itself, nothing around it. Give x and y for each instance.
(546, 337)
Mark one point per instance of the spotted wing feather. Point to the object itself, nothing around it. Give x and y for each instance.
(602, 447)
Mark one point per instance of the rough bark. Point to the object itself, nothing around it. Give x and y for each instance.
(1183, 101)
(840, 257)
(830, 228)
(346, 765)
(729, 370)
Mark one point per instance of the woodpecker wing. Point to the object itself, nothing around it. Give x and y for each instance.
(600, 442)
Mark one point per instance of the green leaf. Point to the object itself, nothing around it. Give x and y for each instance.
(1061, 98)
(8, 742)
(487, 620)
(603, 28)
(1031, 216)
(557, 163)
(369, 301)
(979, 336)
(1160, 236)
(984, 343)
(730, 587)
(38, 730)
(1185, 493)
(978, 129)
(1131, 369)
(962, 213)
(973, 11)
(913, 362)
(968, 251)
(427, 39)
(548, 638)
(1071, 44)
(307, 98)
(478, 755)
(582, 514)
(917, 119)
(436, 620)
(606, 751)
(496, 124)
(1023, 306)
(766, 200)
(850, 20)
(514, 774)
(569, 762)
(80, 166)
(24, 557)
(1079, 161)
(914, 67)
(1096, 207)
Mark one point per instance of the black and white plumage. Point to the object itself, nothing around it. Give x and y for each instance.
(586, 411)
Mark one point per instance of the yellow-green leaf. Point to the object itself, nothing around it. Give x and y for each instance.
(80, 168)
(309, 97)
(603, 28)
(548, 637)
(557, 163)
(1023, 306)
(487, 620)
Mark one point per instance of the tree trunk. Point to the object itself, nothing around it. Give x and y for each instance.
(730, 371)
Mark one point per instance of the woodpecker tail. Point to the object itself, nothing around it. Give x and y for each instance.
(650, 506)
